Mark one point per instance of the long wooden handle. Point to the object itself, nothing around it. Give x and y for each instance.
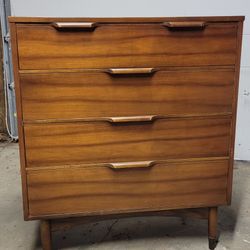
(130, 71)
(185, 25)
(127, 165)
(75, 25)
(124, 119)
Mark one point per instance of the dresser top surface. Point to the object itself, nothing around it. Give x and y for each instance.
(15, 19)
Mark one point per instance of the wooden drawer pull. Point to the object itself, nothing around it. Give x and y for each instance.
(185, 25)
(74, 25)
(126, 165)
(130, 71)
(146, 118)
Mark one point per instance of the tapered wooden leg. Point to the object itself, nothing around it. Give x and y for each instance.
(212, 227)
(46, 235)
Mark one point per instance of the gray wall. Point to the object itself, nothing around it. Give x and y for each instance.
(128, 8)
(2, 105)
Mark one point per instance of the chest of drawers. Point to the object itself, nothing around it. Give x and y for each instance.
(125, 116)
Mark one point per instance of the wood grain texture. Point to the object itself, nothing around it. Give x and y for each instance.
(98, 94)
(66, 90)
(125, 45)
(14, 44)
(93, 142)
(122, 19)
(170, 68)
(234, 107)
(73, 191)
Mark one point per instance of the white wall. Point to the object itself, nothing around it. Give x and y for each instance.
(128, 8)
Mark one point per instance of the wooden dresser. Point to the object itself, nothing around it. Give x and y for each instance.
(125, 117)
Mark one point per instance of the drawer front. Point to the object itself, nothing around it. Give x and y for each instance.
(105, 141)
(100, 94)
(42, 46)
(100, 190)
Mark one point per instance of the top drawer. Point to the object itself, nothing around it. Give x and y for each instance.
(105, 45)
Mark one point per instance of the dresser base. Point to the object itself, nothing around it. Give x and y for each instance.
(51, 225)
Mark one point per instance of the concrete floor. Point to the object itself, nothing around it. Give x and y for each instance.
(139, 233)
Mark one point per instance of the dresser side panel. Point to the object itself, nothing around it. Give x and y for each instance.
(14, 49)
(234, 109)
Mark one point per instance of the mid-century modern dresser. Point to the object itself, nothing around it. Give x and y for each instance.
(125, 117)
